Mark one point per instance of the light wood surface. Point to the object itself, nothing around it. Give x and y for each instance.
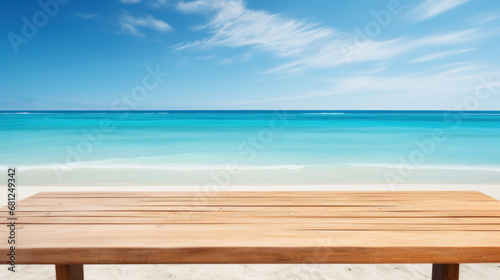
(256, 227)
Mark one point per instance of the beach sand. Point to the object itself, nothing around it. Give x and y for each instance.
(270, 271)
(256, 272)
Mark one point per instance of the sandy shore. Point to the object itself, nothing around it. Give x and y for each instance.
(255, 272)
(271, 272)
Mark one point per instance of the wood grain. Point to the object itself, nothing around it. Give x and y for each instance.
(256, 227)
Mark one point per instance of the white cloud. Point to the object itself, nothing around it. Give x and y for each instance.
(242, 58)
(86, 16)
(308, 43)
(486, 17)
(207, 57)
(449, 38)
(131, 24)
(438, 55)
(153, 3)
(234, 26)
(338, 52)
(448, 85)
(232, 6)
(130, 1)
(432, 8)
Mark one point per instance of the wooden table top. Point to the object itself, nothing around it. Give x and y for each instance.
(255, 227)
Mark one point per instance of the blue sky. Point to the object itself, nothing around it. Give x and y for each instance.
(231, 54)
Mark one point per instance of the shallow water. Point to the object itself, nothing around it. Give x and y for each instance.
(251, 147)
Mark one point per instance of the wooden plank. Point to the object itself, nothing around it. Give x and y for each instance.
(216, 235)
(306, 197)
(264, 212)
(257, 227)
(153, 205)
(255, 255)
(256, 207)
(69, 272)
(445, 271)
(305, 222)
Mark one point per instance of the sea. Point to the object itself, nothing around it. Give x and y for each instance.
(275, 147)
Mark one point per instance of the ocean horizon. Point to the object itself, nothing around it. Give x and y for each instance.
(251, 147)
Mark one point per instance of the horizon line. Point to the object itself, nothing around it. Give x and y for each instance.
(248, 110)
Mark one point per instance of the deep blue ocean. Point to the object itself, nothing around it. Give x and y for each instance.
(321, 147)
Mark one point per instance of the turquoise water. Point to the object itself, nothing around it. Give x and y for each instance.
(252, 147)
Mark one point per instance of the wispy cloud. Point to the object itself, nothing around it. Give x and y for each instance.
(242, 58)
(486, 17)
(153, 3)
(309, 44)
(234, 26)
(438, 55)
(449, 81)
(432, 8)
(130, 1)
(131, 24)
(86, 16)
(207, 57)
(334, 53)
(444, 84)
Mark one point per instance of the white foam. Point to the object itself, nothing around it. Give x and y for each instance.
(144, 163)
(146, 166)
(323, 113)
(19, 113)
(488, 168)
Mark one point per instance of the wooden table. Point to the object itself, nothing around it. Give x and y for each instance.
(70, 229)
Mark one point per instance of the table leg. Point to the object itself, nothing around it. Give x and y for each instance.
(445, 271)
(69, 271)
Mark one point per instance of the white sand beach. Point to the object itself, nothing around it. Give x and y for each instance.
(257, 272)
(270, 271)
